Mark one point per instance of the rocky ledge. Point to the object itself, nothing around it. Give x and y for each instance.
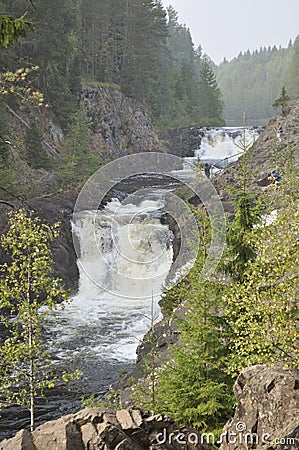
(267, 413)
(105, 429)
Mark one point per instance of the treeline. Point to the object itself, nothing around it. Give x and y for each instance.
(252, 81)
(134, 44)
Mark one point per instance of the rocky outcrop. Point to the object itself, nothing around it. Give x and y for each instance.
(120, 125)
(181, 141)
(268, 151)
(106, 429)
(267, 413)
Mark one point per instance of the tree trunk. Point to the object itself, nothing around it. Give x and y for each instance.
(31, 381)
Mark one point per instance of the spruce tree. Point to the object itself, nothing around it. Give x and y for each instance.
(193, 387)
(36, 155)
(211, 104)
(282, 100)
(240, 248)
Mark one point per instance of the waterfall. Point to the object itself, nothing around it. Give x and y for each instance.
(119, 278)
(222, 146)
(218, 144)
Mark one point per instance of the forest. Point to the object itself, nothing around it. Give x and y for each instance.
(138, 47)
(251, 81)
(142, 49)
(246, 313)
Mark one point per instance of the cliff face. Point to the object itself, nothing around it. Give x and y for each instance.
(119, 124)
(267, 412)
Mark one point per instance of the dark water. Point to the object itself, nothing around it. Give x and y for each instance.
(65, 399)
(79, 348)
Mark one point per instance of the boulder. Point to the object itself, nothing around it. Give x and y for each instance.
(106, 429)
(21, 441)
(267, 413)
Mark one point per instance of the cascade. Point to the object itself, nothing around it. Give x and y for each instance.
(221, 146)
(119, 278)
(120, 281)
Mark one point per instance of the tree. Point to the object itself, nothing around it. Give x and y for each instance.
(262, 310)
(78, 164)
(240, 248)
(36, 155)
(11, 29)
(7, 174)
(27, 283)
(291, 78)
(193, 386)
(211, 105)
(282, 101)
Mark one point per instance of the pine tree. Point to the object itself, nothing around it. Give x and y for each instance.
(282, 101)
(211, 104)
(36, 155)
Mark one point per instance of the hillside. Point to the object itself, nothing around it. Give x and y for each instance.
(251, 82)
(267, 153)
(139, 47)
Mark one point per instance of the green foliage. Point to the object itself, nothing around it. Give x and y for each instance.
(12, 29)
(18, 85)
(291, 77)
(129, 44)
(27, 284)
(36, 155)
(262, 311)
(78, 164)
(193, 386)
(211, 103)
(240, 248)
(282, 100)
(7, 174)
(252, 81)
(91, 402)
(4, 142)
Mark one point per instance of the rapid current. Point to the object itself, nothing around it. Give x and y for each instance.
(99, 330)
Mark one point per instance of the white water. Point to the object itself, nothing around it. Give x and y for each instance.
(125, 258)
(225, 143)
(119, 278)
(223, 146)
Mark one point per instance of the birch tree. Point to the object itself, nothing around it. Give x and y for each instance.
(27, 283)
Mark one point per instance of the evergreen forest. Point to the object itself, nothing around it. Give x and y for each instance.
(135, 46)
(251, 81)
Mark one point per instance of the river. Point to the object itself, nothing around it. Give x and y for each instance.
(120, 285)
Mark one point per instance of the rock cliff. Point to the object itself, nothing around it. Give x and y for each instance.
(267, 413)
(119, 124)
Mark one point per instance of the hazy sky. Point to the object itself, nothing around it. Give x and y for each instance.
(226, 27)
